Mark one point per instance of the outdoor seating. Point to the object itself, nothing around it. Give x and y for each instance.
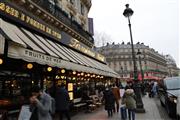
(78, 104)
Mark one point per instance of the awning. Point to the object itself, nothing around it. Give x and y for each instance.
(2, 43)
(34, 48)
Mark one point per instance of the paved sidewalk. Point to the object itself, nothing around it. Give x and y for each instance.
(152, 113)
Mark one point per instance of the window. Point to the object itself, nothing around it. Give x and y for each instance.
(72, 17)
(82, 9)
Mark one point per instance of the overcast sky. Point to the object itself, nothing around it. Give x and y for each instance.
(154, 22)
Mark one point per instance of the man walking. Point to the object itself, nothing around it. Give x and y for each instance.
(62, 102)
(116, 93)
(40, 104)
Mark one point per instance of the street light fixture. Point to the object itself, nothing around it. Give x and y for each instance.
(128, 12)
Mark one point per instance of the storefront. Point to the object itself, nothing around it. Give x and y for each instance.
(32, 52)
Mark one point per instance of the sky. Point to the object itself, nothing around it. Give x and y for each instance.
(154, 23)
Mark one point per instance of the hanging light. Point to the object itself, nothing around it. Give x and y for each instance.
(74, 72)
(1, 61)
(63, 71)
(49, 69)
(82, 74)
(57, 77)
(29, 66)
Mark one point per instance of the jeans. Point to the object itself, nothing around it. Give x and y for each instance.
(131, 114)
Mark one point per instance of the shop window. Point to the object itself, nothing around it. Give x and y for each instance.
(15, 90)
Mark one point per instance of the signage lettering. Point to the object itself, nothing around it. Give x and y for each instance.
(29, 20)
(42, 57)
(77, 45)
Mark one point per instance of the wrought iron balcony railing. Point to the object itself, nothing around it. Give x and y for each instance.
(61, 15)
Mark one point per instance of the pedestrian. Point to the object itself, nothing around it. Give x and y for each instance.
(40, 104)
(62, 102)
(109, 101)
(154, 89)
(130, 103)
(116, 93)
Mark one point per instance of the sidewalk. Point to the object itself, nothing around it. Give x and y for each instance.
(152, 113)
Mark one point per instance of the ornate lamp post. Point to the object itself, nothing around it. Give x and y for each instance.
(128, 12)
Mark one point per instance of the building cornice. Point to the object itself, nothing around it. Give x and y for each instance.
(32, 7)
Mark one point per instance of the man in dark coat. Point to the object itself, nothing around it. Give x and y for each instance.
(62, 102)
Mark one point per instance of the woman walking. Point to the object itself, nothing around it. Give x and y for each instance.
(129, 100)
(109, 101)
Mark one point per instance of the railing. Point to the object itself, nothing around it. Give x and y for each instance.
(61, 15)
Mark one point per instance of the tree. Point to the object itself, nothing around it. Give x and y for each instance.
(101, 39)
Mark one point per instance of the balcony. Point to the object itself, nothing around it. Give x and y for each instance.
(62, 16)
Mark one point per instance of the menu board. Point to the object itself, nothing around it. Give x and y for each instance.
(25, 113)
(70, 86)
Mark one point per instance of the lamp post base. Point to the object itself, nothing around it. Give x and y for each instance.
(139, 102)
(140, 110)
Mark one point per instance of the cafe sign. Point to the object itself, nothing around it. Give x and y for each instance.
(74, 43)
(41, 57)
(21, 17)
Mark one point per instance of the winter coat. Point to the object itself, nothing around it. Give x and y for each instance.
(109, 100)
(129, 99)
(62, 99)
(116, 92)
(43, 107)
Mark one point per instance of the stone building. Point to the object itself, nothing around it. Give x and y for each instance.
(119, 58)
(173, 70)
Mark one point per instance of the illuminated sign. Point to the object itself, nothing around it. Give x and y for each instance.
(8, 10)
(74, 43)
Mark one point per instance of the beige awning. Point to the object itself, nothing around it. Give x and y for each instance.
(34, 48)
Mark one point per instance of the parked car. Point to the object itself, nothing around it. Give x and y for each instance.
(178, 108)
(169, 91)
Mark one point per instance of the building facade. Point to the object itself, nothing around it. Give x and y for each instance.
(173, 70)
(46, 43)
(150, 64)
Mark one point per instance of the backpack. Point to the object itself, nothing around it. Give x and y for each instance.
(53, 106)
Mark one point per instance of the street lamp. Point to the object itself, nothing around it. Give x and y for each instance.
(128, 12)
(140, 65)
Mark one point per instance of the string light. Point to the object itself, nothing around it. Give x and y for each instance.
(1, 61)
(49, 69)
(29, 65)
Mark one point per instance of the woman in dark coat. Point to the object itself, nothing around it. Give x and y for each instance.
(62, 102)
(109, 101)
